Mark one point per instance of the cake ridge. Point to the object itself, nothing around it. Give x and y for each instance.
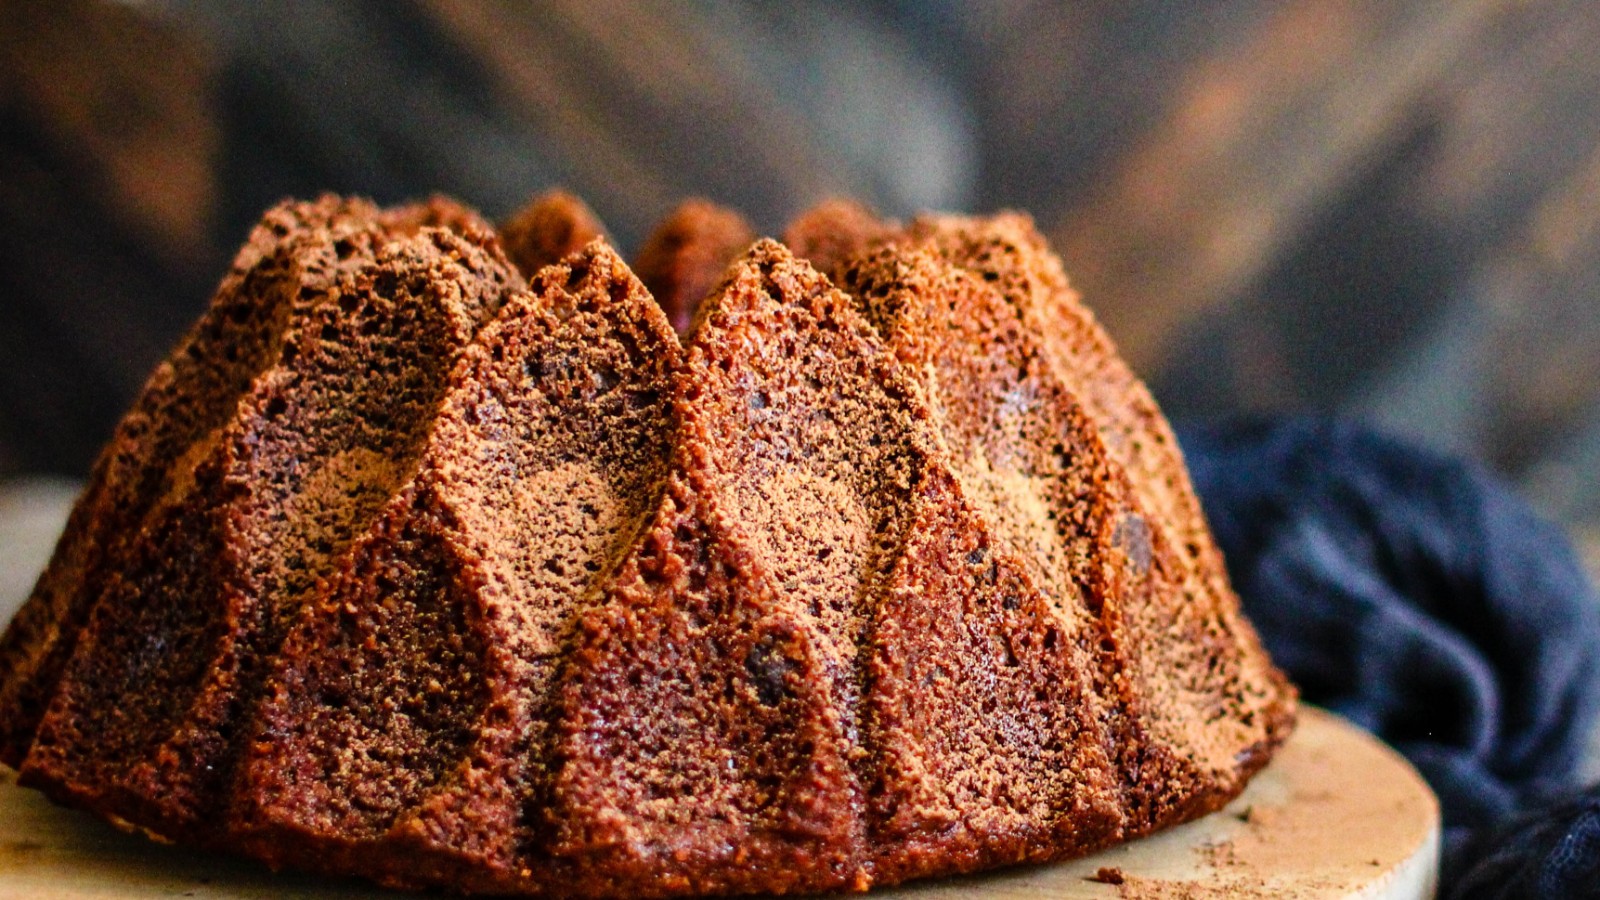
(734, 380)
(958, 331)
(1006, 250)
(39, 640)
(490, 407)
(672, 602)
(684, 259)
(273, 537)
(835, 231)
(550, 227)
(1038, 794)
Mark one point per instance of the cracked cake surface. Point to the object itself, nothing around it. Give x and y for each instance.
(463, 558)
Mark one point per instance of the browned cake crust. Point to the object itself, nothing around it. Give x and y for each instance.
(355, 336)
(402, 568)
(188, 397)
(1185, 613)
(438, 211)
(416, 684)
(552, 226)
(1031, 451)
(686, 255)
(835, 232)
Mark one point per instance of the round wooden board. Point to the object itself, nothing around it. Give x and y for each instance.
(1336, 814)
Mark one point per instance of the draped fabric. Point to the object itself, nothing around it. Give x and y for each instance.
(1418, 596)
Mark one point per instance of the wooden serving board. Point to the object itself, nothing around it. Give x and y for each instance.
(1337, 814)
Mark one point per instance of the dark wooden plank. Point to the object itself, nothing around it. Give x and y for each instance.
(1266, 131)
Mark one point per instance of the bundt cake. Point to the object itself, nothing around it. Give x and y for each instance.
(410, 564)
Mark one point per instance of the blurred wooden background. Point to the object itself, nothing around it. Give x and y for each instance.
(1386, 208)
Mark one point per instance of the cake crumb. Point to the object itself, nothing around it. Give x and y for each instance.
(1107, 875)
(1219, 854)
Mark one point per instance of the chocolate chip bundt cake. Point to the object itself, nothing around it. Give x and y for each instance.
(410, 564)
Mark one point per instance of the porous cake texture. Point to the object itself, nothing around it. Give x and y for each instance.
(472, 559)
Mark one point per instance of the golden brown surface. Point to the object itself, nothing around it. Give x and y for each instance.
(551, 226)
(834, 232)
(685, 256)
(404, 568)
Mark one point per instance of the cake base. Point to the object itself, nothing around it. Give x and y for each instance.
(1336, 814)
